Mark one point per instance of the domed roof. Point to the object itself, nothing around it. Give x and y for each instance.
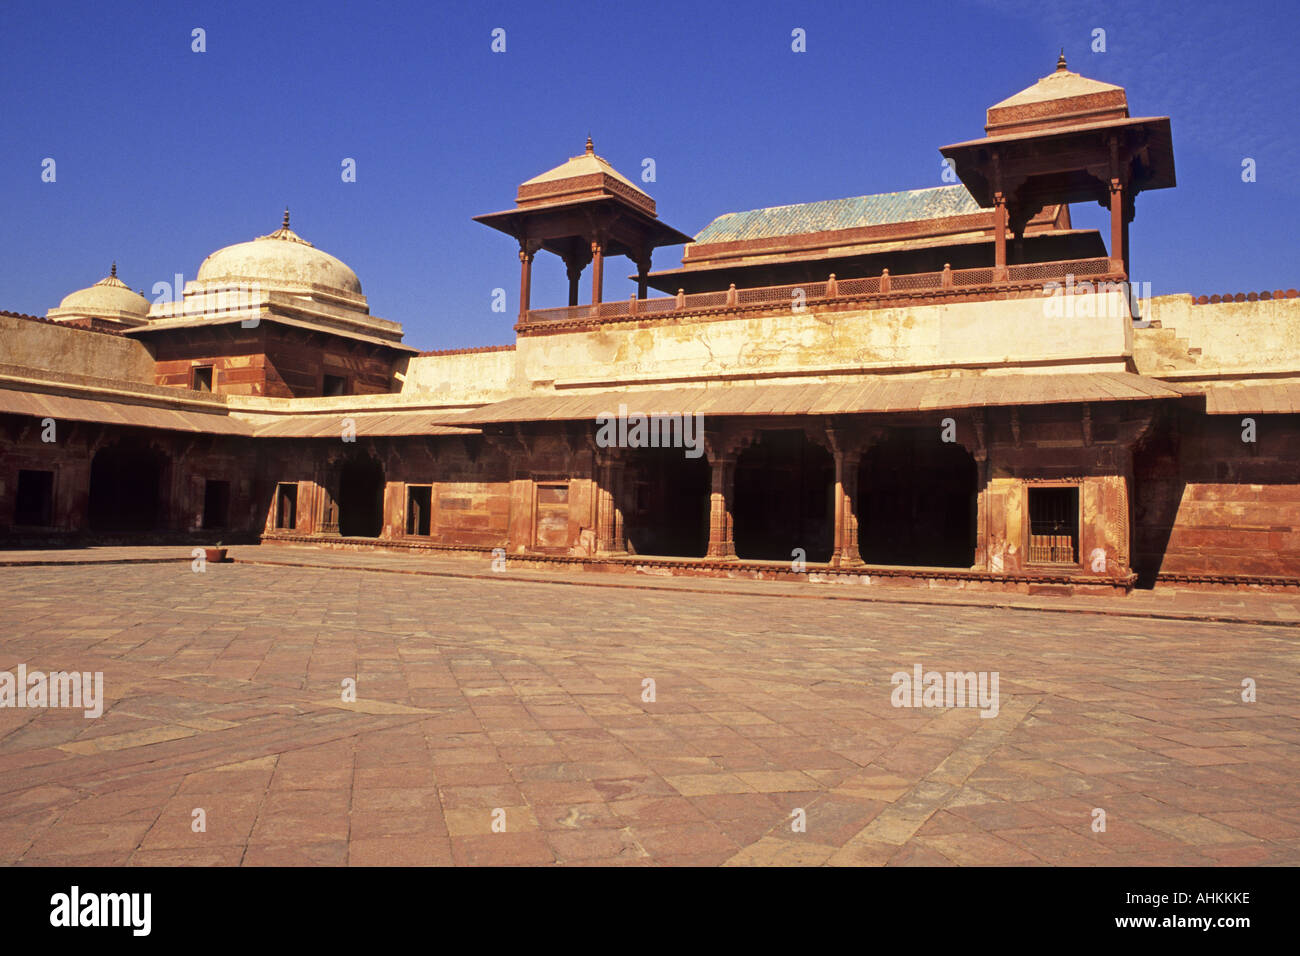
(109, 298)
(282, 259)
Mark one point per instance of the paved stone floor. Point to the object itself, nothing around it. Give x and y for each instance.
(519, 701)
(1219, 604)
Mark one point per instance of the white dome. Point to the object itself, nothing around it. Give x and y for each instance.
(282, 260)
(109, 298)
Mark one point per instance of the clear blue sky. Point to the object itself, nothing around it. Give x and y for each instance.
(164, 155)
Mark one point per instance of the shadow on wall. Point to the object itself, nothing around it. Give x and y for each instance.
(1207, 502)
(1157, 492)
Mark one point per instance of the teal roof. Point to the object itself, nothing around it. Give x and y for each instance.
(830, 214)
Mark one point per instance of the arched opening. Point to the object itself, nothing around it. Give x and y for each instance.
(666, 503)
(361, 497)
(126, 480)
(917, 502)
(784, 499)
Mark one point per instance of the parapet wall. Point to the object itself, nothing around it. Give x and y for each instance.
(471, 376)
(1232, 337)
(60, 348)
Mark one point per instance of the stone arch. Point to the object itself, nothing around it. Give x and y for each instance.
(918, 501)
(666, 502)
(127, 478)
(784, 497)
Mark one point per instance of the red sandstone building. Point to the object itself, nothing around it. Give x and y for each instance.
(945, 385)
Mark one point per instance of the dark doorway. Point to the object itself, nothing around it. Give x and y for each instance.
(361, 498)
(917, 501)
(126, 487)
(419, 508)
(216, 504)
(784, 488)
(34, 501)
(666, 503)
(286, 506)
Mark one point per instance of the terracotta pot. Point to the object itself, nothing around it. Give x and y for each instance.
(215, 555)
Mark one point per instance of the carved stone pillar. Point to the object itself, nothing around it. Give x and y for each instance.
(982, 511)
(721, 543)
(847, 453)
(1000, 238)
(1118, 230)
(597, 271)
(1127, 218)
(609, 515)
(642, 270)
(1122, 534)
(979, 449)
(574, 271)
(847, 536)
(526, 254)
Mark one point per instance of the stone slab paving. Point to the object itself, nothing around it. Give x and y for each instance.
(1236, 606)
(1233, 606)
(482, 699)
(95, 554)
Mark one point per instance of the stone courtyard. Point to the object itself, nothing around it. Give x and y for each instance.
(520, 706)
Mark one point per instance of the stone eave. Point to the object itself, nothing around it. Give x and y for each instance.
(185, 324)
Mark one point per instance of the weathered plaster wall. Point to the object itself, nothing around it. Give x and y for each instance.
(59, 348)
(461, 377)
(1231, 336)
(1022, 331)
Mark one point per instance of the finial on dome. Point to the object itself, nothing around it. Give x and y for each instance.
(590, 148)
(113, 271)
(1060, 62)
(284, 233)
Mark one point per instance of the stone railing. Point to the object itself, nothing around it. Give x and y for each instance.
(883, 286)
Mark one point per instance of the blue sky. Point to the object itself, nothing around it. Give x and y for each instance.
(164, 155)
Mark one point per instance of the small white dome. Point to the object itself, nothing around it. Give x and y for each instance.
(109, 298)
